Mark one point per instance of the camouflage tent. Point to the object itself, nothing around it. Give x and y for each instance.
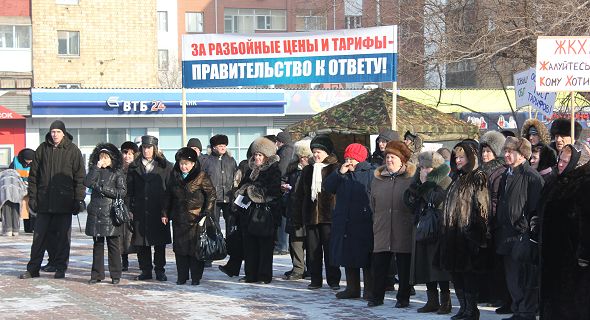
(370, 113)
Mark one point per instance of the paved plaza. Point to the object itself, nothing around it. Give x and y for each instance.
(218, 296)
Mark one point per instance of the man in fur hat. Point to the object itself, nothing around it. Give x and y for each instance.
(520, 190)
(221, 168)
(561, 136)
(56, 191)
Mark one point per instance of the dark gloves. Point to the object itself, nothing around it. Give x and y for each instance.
(79, 206)
(246, 198)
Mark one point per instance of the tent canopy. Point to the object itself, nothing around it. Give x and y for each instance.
(370, 113)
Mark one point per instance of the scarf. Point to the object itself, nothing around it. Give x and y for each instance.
(316, 180)
(148, 164)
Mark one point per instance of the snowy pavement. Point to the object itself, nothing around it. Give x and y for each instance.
(217, 297)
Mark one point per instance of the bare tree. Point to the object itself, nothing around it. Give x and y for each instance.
(171, 75)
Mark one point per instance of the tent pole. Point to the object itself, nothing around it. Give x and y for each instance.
(394, 106)
(184, 142)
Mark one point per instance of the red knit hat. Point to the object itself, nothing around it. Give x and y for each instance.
(356, 151)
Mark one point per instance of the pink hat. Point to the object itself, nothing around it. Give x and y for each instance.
(356, 151)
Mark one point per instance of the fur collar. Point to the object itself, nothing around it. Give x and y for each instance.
(265, 166)
(407, 171)
(117, 157)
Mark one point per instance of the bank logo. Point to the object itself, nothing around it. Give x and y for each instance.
(136, 106)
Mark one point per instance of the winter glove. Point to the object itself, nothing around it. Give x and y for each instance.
(79, 206)
(246, 198)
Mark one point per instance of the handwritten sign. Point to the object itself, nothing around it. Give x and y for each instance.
(563, 64)
(527, 95)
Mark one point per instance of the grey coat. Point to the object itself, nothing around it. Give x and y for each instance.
(393, 220)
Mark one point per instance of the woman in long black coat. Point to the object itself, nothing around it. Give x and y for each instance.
(107, 180)
(261, 186)
(429, 189)
(351, 239)
(190, 197)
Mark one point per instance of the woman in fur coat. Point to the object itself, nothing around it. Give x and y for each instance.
(430, 188)
(106, 179)
(189, 197)
(465, 229)
(260, 186)
(313, 209)
(393, 222)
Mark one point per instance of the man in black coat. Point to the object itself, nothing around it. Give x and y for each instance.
(518, 198)
(147, 178)
(285, 153)
(56, 191)
(221, 168)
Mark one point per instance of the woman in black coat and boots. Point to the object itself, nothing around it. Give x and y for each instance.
(107, 181)
(351, 242)
(464, 233)
(130, 152)
(260, 187)
(189, 197)
(429, 189)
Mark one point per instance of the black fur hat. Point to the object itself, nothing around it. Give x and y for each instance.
(218, 139)
(186, 153)
(130, 145)
(562, 127)
(322, 142)
(113, 152)
(547, 156)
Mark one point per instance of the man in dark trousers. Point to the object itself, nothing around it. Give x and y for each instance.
(285, 153)
(518, 196)
(56, 191)
(147, 178)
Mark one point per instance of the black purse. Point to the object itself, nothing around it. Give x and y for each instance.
(261, 222)
(525, 250)
(428, 228)
(211, 242)
(119, 212)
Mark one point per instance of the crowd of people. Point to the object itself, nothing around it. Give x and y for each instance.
(511, 226)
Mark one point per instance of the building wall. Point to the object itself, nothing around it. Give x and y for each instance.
(15, 8)
(117, 43)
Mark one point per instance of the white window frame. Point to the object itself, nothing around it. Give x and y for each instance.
(163, 21)
(311, 22)
(353, 22)
(15, 42)
(198, 21)
(163, 64)
(236, 17)
(68, 43)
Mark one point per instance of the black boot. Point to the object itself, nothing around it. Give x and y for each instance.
(367, 284)
(445, 303)
(353, 284)
(124, 262)
(461, 297)
(471, 310)
(432, 304)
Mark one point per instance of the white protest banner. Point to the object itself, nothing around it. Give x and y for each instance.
(227, 60)
(563, 64)
(526, 95)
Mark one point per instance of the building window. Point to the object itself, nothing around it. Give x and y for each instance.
(69, 86)
(163, 60)
(15, 37)
(194, 21)
(250, 20)
(306, 21)
(460, 74)
(163, 21)
(353, 22)
(68, 43)
(67, 1)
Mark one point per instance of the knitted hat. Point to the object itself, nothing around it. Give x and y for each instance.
(302, 148)
(322, 142)
(58, 124)
(430, 159)
(149, 141)
(284, 137)
(265, 146)
(186, 153)
(128, 145)
(388, 135)
(521, 145)
(218, 139)
(356, 151)
(27, 154)
(399, 149)
(194, 142)
(562, 127)
(493, 140)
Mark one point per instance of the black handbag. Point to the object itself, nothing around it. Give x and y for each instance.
(261, 222)
(427, 229)
(119, 212)
(525, 250)
(211, 242)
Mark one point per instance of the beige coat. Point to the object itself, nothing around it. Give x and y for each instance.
(393, 221)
